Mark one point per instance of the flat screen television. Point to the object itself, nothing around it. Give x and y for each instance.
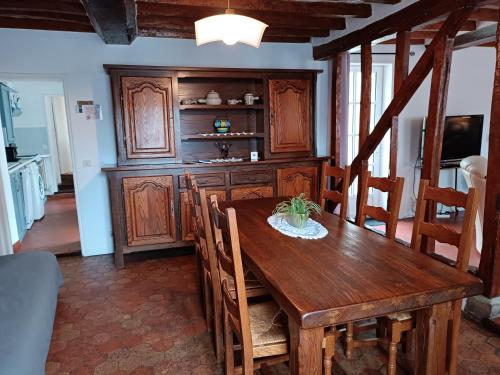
(461, 138)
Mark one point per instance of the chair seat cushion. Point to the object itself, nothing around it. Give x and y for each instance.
(399, 316)
(266, 325)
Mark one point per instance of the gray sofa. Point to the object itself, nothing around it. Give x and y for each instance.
(29, 284)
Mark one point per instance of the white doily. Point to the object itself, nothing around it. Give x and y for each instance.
(311, 231)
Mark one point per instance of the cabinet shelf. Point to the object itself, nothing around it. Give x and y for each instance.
(184, 107)
(219, 137)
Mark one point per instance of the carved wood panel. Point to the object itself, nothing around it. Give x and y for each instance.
(148, 117)
(186, 222)
(149, 210)
(293, 181)
(252, 192)
(290, 115)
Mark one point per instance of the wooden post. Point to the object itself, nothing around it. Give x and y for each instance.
(339, 94)
(401, 69)
(365, 105)
(435, 125)
(489, 267)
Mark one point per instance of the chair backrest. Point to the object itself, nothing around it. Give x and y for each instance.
(340, 197)
(227, 246)
(448, 197)
(390, 216)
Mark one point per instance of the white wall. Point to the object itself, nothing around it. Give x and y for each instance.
(77, 59)
(8, 224)
(30, 128)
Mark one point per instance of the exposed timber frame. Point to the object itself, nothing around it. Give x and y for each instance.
(451, 16)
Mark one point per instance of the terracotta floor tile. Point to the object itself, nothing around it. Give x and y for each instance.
(121, 322)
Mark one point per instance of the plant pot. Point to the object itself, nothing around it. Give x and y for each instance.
(297, 220)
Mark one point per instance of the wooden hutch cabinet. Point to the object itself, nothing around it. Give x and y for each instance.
(159, 139)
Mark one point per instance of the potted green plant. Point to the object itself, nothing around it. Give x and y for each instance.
(297, 210)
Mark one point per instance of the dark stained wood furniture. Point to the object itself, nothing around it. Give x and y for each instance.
(394, 188)
(338, 279)
(159, 139)
(337, 197)
(262, 337)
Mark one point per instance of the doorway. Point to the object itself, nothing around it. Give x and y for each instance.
(42, 176)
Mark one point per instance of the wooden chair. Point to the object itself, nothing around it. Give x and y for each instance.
(209, 272)
(390, 217)
(340, 197)
(263, 339)
(396, 324)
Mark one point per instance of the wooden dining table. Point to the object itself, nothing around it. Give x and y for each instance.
(349, 275)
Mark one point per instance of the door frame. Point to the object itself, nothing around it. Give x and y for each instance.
(76, 170)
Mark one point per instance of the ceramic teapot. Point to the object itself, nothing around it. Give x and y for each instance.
(213, 98)
(249, 98)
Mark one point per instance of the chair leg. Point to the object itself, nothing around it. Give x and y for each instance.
(329, 352)
(393, 349)
(218, 331)
(228, 343)
(208, 303)
(349, 340)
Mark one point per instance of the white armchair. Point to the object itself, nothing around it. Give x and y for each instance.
(474, 170)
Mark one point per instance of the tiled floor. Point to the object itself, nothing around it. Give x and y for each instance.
(57, 231)
(147, 319)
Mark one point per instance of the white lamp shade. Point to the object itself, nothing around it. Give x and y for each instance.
(230, 29)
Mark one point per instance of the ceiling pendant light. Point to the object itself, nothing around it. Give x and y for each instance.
(229, 28)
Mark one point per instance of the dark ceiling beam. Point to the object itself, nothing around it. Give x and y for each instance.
(187, 34)
(470, 25)
(42, 6)
(112, 20)
(413, 15)
(274, 31)
(319, 8)
(485, 14)
(48, 16)
(482, 36)
(40, 24)
(157, 14)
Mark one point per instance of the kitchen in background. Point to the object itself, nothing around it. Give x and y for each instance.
(35, 128)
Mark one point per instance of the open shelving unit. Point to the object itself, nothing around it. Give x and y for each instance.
(197, 120)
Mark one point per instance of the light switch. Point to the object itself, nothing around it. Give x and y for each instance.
(86, 163)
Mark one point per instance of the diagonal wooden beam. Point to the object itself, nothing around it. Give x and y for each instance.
(113, 20)
(479, 37)
(407, 90)
(322, 8)
(418, 13)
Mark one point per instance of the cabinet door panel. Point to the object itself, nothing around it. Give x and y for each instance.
(290, 115)
(149, 209)
(293, 181)
(148, 117)
(252, 192)
(186, 222)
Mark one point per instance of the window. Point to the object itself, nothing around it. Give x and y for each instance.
(381, 94)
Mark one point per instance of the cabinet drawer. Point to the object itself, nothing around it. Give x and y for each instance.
(253, 177)
(252, 192)
(203, 180)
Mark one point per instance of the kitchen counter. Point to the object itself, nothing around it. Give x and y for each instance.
(15, 166)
